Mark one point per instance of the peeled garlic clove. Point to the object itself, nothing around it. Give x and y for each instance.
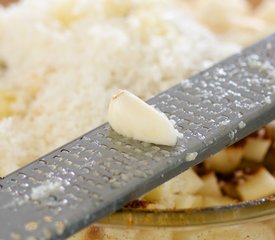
(131, 117)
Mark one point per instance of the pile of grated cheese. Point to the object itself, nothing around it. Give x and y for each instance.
(60, 61)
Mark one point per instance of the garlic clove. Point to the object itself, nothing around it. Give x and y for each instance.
(131, 117)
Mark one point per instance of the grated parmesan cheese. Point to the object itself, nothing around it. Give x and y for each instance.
(71, 55)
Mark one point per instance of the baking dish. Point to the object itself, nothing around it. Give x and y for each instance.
(247, 220)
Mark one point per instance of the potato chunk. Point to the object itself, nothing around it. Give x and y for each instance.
(226, 160)
(210, 186)
(187, 183)
(188, 201)
(261, 184)
(256, 148)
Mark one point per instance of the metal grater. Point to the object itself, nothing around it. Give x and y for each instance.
(99, 172)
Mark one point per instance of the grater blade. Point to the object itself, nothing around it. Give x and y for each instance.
(99, 172)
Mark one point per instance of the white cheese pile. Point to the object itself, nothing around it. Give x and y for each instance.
(62, 60)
